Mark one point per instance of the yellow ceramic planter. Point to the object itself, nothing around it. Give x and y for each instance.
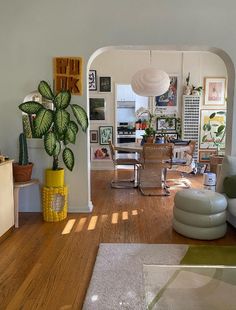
(54, 178)
(55, 203)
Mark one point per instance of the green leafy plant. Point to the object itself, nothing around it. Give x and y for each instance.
(214, 131)
(56, 126)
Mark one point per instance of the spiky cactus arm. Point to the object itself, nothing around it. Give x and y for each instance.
(23, 150)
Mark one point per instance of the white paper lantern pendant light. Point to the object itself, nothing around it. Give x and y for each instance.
(150, 82)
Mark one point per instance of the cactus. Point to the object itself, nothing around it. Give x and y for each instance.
(23, 151)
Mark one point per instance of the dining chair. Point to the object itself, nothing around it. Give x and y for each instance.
(120, 160)
(156, 159)
(183, 164)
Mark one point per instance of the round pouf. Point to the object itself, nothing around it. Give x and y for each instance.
(200, 214)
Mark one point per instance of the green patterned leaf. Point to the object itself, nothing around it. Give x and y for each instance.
(50, 142)
(221, 128)
(70, 135)
(81, 116)
(204, 138)
(68, 158)
(61, 120)
(212, 115)
(57, 149)
(43, 122)
(45, 90)
(30, 107)
(62, 99)
(73, 126)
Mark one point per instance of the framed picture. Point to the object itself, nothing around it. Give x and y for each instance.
(97, 109)
(105, 134)
(215, 89)
(169, 98)
(166, 124)
(204, 155)
(93, 136)
(92, 80)
(105, 84)
(100, 153)
(212, 129)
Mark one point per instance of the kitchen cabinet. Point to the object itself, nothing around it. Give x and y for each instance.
(6, 197)
(125, 93)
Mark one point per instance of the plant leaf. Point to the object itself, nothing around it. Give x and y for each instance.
(57, 149)
(30, 107)
(73, 126)
(208, 127)
(221, 128)
(62, 99)
(50, 142)
(68, 158)
(212, 115)
(221, 112)
(204, 138)
(43, 121)
(70, 135)
(45, 90)
(61, 120)
(81, 116)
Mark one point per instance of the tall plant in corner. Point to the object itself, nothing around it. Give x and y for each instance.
(56, 126)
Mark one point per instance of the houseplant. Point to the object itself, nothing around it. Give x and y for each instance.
(22, 170)
(56, 126)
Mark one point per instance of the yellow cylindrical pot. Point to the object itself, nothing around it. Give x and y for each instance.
(54, 178)
(55, 203)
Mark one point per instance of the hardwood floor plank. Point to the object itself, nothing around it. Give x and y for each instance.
(42, 267)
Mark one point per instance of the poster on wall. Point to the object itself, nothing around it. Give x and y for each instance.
(97, 109)
(68, 74)
(212, 129)
(169, 98)
(215, 89)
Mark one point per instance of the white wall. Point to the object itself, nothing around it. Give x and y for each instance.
(33, 32)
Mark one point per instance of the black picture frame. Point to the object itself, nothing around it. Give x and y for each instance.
(164, 124)
(105, 84)
(97, 109)
(105, 134)
(92, 80)
(93, 136)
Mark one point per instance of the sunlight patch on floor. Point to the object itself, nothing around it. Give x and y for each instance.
(68, 227)
(93, 222)
(114, 218)
(125, 216)
(80, 225)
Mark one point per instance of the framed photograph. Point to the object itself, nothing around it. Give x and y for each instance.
(97, 109)
(105, 134)
(168, 99)
(212, 129)
(100, 153)
(105, 84)
(93, 136)
(215, 89)
(204, 155)
(92, 80)
(166, 124)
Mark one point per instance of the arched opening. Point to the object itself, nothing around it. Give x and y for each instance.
(138, 58)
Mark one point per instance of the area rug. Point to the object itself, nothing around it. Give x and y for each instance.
(118, 278)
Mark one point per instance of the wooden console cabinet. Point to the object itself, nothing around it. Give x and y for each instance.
(6, 197)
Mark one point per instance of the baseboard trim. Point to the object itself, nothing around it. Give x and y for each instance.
(82, 209)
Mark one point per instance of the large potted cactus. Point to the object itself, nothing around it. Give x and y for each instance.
(22, 170)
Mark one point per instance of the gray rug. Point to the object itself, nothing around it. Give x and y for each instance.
(117, 281)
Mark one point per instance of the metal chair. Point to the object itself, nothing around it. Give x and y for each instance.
(125, 160)
(156, 159)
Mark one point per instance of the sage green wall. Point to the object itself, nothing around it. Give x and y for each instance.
(32, 32)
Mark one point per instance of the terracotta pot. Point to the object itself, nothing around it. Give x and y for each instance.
(22, 173)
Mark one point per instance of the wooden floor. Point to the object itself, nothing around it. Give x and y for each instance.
(44, 266)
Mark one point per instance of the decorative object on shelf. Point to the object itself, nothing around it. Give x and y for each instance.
(188, 87)
(215, 91)
(68, 74)
(150, 82)
(105, 134)
(22, 170)
(93, 136)
(213, 129)
(57, 130)
(92, 80)
(204, 155)
(97, 109)
(169, 98)
(105, 84)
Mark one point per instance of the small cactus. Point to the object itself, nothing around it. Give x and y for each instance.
(23, 151)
